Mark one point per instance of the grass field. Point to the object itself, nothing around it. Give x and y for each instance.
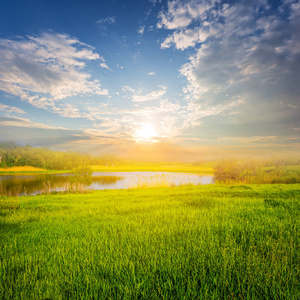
(207, 242)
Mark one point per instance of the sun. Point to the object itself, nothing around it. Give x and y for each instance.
(146, 133)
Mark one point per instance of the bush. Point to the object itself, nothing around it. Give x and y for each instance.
(82, 175)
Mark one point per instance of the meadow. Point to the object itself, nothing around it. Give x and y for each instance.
(202, 242)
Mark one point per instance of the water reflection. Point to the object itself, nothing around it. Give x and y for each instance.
(35, 184)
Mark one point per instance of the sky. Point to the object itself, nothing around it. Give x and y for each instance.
(147, 76)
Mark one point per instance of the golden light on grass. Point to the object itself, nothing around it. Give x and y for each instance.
(21, 169)
(146, 133)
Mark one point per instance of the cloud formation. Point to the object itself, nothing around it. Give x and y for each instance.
(105, 66)
(246, 55)
(50, 64)
(141, 30)
(155, 95)
(108, 20)
(22, 122)
(141, 96)
(11, 109)
(232, 75)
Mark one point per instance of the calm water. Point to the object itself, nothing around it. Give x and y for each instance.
(34, 184)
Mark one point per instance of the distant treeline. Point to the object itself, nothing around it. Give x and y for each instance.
(12, 154)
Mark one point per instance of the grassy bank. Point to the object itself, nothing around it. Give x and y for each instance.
(209, 242)
(204, 168)
(28, 170)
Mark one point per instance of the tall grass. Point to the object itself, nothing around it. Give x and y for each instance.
(161, 180)
(21, 169)
(208, 242)
(254, 172)
(9, 198)
(12, 192)
(66, 187)
(28, 170)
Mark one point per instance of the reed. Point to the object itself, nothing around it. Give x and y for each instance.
(67, 187)
(254, 172)
(9, 199)
(46, 188)
(154, 181)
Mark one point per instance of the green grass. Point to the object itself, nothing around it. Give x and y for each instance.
(253, 172)
(207, 242)
(295, 169)
(34, 172)
(201, 168)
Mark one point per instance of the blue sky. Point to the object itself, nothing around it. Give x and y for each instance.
(115, 76)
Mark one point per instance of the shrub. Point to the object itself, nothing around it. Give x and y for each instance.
(82, 175)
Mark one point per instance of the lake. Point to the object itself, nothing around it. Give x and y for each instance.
(35, 183)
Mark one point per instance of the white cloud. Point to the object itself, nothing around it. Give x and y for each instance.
(11, 109)
(295, 11)
(50, 65)
(21, 122)
(141, 30)
(98, 134)
(167, 106)
(246, 60)
(63, 109)
(111, 126)
(151, 73)
(169, 128)
(126, 88)
(195, 113)
(162, 87)
(180, 14)
(154, 2)
(148, 97)
(69, 111)
(123, 122)
(186, 38)
(105, 66)
(108, 20)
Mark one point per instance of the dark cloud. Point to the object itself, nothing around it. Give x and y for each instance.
(250, 56)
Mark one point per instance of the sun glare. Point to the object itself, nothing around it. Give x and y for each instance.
(146, 133)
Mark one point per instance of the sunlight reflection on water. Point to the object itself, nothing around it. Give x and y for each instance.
(129, 180)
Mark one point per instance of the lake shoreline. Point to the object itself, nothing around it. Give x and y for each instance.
(33, 184)
(201, 169)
